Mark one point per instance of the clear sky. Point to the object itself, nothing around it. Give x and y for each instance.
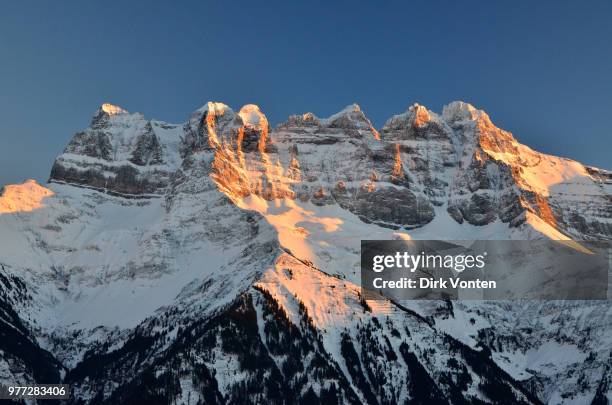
(541, 69)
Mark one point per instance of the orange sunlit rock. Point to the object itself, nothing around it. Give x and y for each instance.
(421, 116)
(398, 171)
(25, 197)
(112, 109)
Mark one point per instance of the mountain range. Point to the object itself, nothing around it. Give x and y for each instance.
(217, 261)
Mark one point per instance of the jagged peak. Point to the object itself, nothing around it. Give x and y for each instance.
(354, 107)
(250, 114)
(209, 114)
(417, 115)
(112, 109)
(107, 113)
(420, 114)
(252, 117)
(214, 107)
(308, 119)
(495, 142)
(350, 117)
(350, 110)
(461, 111)
(211, 108)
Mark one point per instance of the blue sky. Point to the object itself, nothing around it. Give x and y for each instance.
(540, 69)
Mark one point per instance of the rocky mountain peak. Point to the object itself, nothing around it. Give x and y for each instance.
(214, 109)
(350, 117)
(459, 113)
(216, 125)
(109, 114)
(253, 118)
(476, 128)
(106, 111)
(210, 111)
(417, 116)
(205, 127)
(353, 120)
(120, 153)
(112, 109)
(304, 120)
(351, 108)
(420, 115)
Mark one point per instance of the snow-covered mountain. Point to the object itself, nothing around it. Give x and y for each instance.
(217, 261)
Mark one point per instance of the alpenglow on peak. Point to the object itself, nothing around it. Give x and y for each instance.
(112, 109)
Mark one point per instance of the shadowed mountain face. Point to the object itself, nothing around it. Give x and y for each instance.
(217, 261)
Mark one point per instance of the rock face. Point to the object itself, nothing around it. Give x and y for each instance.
(120, 153)
(394, 178)
(216, 261)
(342, 160)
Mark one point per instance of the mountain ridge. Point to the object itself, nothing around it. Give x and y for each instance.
(495, 143)
(242, 227)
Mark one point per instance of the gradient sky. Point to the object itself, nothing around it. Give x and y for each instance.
(540, 69)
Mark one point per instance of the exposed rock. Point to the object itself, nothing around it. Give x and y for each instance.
(121, 153)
